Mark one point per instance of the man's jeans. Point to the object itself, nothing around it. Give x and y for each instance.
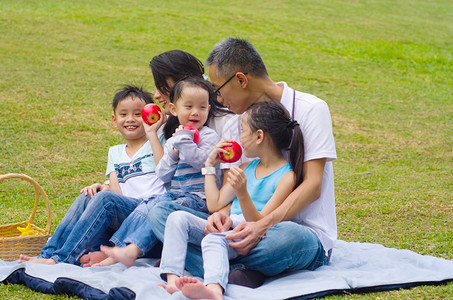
(88, 223)
(287, 246)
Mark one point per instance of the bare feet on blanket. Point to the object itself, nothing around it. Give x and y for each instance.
(44, 261)
(169, 288)
(106, 262)
(195, 289)
(92, 258)
(126, 255)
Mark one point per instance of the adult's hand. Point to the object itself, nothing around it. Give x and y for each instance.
(218, 222)
(246, 236)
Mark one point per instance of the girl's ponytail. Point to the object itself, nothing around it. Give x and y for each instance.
(273, 118)
(296, 154)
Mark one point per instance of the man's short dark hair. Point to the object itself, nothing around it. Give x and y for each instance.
(236, 55)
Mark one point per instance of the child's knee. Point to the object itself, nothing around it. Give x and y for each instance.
(102, 197)
(179, 218)
(214, 239)
(163, 208)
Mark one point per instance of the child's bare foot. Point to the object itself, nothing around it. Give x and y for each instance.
(24, 258)
(92, 258)
(44, 261)
(106, 262)
(195, 289)
(126, 255)
(169, 288)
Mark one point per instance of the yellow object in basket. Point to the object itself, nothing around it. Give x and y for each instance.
(26, 231)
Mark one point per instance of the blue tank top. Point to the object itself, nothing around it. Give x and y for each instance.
(262, 189)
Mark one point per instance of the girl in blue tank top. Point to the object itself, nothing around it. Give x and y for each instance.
(253, 190)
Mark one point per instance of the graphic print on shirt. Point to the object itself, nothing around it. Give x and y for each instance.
(126, 171)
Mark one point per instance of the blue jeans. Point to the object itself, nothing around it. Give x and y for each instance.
(287, 246)
(88, 223)
(183, 228)
(158, 217)
(136, 228)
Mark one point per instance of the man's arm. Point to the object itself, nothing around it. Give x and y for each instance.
(309, 191)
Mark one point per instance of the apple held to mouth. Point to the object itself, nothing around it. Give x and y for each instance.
(150, 113)
(234, 153)
(196, 134)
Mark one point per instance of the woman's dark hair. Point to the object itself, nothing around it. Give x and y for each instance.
(176, 93)
(131, 91)
(176, 65)
(273, 118)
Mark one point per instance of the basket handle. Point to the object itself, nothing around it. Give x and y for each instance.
(38, 191)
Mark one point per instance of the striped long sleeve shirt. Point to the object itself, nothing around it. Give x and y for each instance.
(184, 171)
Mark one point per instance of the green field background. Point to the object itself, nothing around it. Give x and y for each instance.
(384, 68)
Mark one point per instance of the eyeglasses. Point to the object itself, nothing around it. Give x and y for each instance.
(217, 91)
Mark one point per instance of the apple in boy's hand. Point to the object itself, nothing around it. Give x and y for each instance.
(196, 134)
(150, 113)
(234, 153)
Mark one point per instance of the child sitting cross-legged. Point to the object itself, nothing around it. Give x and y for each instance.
(255, 189)
(100, 208)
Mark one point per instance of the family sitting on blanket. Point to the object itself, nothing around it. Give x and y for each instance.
(296, 234)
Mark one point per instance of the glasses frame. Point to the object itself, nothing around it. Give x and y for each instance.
(217, 91)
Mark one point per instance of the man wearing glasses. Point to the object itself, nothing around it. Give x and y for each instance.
(301, 232)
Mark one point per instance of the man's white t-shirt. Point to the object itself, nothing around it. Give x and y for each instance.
(314, 119)
(220, 123)
(232, 130)
(137, 175)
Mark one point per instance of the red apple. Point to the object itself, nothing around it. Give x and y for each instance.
(234, 153)
(196, 134)
(150, 113)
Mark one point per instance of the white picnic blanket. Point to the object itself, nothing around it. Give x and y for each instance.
(353, 267)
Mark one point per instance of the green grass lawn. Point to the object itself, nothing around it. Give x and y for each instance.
(384, 67)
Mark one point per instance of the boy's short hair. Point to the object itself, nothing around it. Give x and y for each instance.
(236, 55)
(133, 92)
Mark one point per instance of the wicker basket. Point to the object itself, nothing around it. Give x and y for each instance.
(11, 243)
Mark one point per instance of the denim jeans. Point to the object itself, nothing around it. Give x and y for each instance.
(158, 217)
(183, 228)
(136, 228)
(287, 246)
(88, 223)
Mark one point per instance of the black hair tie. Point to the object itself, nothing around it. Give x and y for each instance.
(292, 123)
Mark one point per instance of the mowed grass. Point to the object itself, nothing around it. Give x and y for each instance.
(384, 68)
